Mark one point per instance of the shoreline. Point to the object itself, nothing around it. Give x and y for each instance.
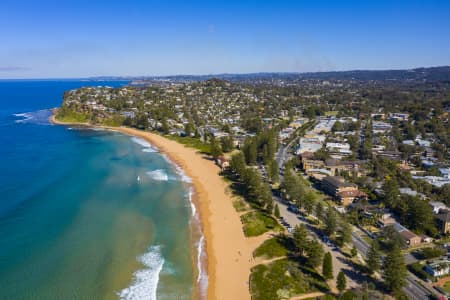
(228, 251)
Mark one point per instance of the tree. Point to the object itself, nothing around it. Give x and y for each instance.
(341, 283)
(319, 210)
(276, 212)
(374, 257)
(315, 252)
(327, 266)
(420, 217)
(394, 269)
(165, 126)
(345, 232)
(353, 251)
(250, 151)
(227, 143)
(272, 170)
(237, 163)
(300, 236)
(330, 221)
(189, 129)
(216, 151)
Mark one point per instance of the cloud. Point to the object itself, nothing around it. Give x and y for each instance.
(13, 69)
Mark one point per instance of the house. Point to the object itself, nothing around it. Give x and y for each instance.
(312, 164)
(410, 238)
(399, 116)
(443, 219)
(386, 220)
(380, 127)
(343, 191)
(437, 206)
(438, 268)
(336, 166)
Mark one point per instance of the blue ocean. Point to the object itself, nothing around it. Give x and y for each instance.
(88, 214)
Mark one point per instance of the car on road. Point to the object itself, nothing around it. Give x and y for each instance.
(293, 208)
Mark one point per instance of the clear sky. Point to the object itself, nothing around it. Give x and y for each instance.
(44, 39)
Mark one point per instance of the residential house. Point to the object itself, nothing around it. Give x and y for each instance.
(438, 268)
(443, 219)
(437, 206)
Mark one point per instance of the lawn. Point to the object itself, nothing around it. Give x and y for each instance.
(257, 223)
(446, 287)
(240, 205)
(275, 247)
(283, 279)
(191, 142)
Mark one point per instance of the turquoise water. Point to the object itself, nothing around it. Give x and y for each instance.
(88, 214)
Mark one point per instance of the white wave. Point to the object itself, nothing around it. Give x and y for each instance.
(158, 175)
(40, 117)
(145, 282)
(202, 278)
(146, 145)
(193, 208)
(141, 141)
(181, 174)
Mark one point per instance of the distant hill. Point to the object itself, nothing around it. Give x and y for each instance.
(419, 75)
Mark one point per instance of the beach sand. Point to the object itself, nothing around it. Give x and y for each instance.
(229, 252)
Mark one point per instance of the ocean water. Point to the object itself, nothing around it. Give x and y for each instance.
(89, 214)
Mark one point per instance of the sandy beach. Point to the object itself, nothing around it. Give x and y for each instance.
(229, 252)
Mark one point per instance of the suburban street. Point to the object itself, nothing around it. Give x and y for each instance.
(413, 289)
(340, 262)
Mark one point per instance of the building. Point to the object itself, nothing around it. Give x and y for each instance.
(343, 191)
(309, 164)
(443, 219)
(399, 116)
(438, 268)
(337, 166)
(380, 127)
(410, 238)
(437, 206)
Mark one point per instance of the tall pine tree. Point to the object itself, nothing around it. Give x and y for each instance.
(394, 269)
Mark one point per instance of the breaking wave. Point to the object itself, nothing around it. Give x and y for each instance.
(145, 281)
(158, 175)
(39, 117)
(146, 145)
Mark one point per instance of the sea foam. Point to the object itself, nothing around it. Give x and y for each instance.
(158, 175)
(146, 145)
(145, 281)
(39, 117)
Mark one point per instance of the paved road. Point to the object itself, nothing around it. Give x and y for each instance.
(413, 289)
(340, 262)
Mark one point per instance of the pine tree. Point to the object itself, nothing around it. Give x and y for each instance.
(374, 257)
(237, 163)
(319, 210)
(216, 151)
(341, 283)
(276, 211)
(394, 269)
(330, 221)
(345, 231)
(300, 236)
(327, 266)
(315, 252)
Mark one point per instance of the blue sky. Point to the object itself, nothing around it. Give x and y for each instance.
(48, 39)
